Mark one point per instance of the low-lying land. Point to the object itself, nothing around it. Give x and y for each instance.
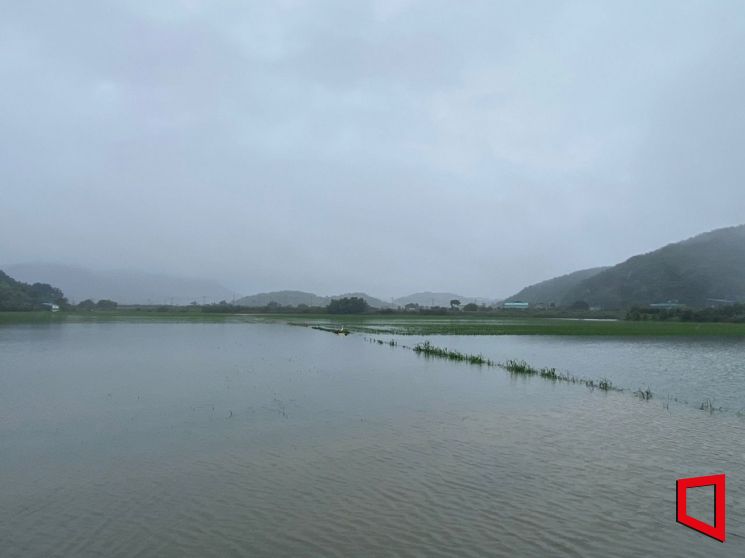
(401, 324)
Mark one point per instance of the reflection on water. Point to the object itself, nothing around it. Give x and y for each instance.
(269, 440)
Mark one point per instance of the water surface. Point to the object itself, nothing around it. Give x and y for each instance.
(126, 439)
(689, 369)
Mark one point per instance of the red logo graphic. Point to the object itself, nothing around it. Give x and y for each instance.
(716, 531)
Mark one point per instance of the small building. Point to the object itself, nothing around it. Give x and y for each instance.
(668, 305)
(719, 302)
(515, 305)
(50, 306)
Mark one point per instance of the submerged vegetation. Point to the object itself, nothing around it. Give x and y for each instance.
(416, 325)
(708, 406)
(337, 330)
(516, 367)
(390, 342)
(523, 368)
(645, 394)
(427, 349)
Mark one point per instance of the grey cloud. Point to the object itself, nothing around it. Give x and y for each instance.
(384, 146)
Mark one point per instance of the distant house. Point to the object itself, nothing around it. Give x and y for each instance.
(669, 305)
(719, 302)
(515, 305)
(50, 306)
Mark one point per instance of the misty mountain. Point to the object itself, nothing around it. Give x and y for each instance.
(557, 289)
(708, 266)
(125, 287)
(283, 298)
(371, 300)
(438, 299)
(296, 298)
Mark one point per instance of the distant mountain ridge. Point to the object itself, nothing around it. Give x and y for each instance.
(124, 287)
(135, 287)
(703, 269)
(297, 298)
(706, 267)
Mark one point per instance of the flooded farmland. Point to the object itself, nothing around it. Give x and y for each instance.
(234, 439)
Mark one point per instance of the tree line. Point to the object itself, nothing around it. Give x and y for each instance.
(18, 296)
(734, 313)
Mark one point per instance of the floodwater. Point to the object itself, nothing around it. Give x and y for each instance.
(127, 439)
(689, 369)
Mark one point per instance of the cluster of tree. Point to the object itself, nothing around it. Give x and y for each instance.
(222, 307)
(348, 305)
(15, 295)
(731, 313)
(358, 305)
(455, 305)
(103, 304)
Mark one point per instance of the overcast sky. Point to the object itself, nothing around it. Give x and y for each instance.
(387, 147)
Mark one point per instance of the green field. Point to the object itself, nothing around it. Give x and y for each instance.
(400, 324)
(495, 325)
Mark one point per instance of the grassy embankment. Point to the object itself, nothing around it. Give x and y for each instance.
(497, 325)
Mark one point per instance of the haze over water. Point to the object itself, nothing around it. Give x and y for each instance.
(267, 440)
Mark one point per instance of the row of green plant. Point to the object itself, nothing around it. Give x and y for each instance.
(390, 342)
(429, 350)
(517, 367)
(523, 368)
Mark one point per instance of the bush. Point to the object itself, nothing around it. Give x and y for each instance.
(348, 305)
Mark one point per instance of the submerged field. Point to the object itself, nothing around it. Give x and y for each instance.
(403, 324)
(195, 438)
(225, 438)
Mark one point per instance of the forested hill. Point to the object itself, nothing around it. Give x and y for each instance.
(696, 272)
(556, 289)
(15, 295)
